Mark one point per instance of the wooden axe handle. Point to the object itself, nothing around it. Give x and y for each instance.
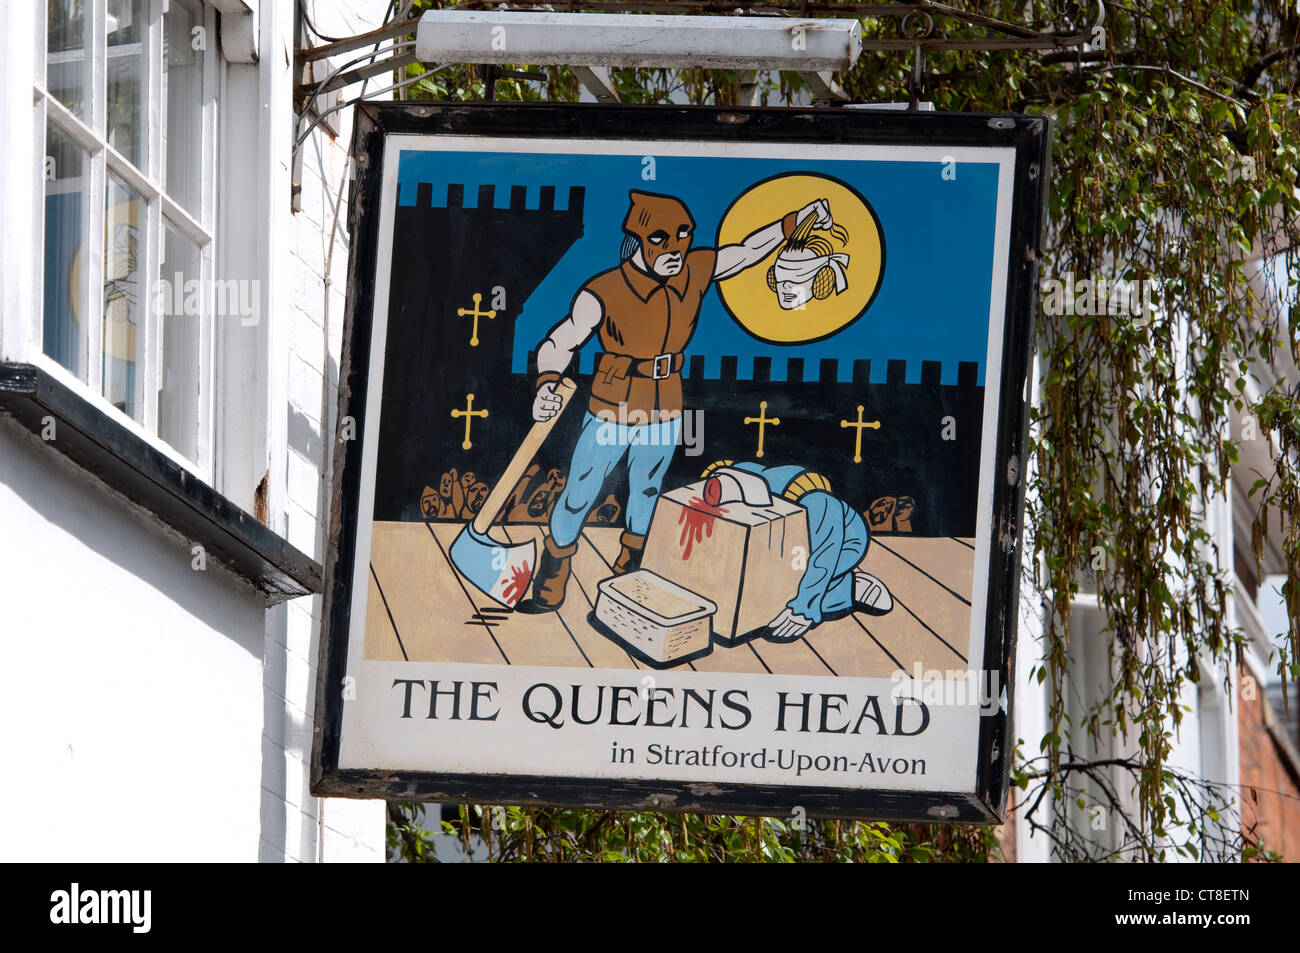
(487, 514)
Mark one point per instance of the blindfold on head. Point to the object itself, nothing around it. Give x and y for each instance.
(803, 270)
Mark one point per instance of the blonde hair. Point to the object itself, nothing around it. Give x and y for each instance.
(803, 239)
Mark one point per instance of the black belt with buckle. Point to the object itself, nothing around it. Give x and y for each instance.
(658, 368)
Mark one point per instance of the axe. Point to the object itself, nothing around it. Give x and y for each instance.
(504, 571)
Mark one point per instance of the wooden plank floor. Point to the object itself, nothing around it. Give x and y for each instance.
(421, 609)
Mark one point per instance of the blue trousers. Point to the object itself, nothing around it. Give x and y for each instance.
(601, 447)
(838, 537)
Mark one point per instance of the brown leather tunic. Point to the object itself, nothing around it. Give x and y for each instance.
(644, 319)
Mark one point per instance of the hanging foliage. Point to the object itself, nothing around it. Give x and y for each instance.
(1174, 181)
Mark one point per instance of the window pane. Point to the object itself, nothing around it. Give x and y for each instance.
(66, 190)
(183, 99)
(180, 309)
(128, 29)
(65, 53)
(124, 294)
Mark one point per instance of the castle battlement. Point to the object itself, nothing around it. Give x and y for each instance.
(794, 370)
(523, 198)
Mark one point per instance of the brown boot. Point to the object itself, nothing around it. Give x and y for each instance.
(629, 557)
(552, 574)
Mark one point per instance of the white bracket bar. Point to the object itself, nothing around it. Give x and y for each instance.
(637, 40)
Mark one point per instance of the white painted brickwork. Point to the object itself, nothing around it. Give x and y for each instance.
(312, 829)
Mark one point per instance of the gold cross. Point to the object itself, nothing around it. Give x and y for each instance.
(859, 425)
(762, 420)
(464, 312)
(469, 413)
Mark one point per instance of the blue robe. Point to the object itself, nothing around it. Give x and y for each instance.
(838, 538)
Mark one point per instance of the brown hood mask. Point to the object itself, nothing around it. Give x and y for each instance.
(657, 221)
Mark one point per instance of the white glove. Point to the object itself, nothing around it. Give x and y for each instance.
(787, 627)
(547, 402)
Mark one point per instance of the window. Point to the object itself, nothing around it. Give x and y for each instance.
(128, 103)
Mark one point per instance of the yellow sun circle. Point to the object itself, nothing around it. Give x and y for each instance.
(750, 297)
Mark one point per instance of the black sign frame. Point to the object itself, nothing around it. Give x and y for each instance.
(1028, 136)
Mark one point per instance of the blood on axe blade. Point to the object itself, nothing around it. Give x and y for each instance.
(500, 570)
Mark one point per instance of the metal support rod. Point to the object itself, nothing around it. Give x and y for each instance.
(748, 92)
(597, 48)
(1017, 35)
(917, 80)
(823, 86)
(362, 73)
(361, 39)
(599, 82)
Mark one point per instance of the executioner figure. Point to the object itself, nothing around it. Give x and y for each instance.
(645, 312)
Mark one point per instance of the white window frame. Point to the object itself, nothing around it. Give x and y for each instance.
(90, 134)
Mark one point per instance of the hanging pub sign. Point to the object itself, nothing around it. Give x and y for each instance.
(680, 459)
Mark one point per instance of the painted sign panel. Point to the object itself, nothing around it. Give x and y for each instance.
(679, 459)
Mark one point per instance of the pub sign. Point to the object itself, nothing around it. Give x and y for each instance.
(680, 459)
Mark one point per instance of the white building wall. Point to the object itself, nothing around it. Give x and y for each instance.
(152, 710)
(133, 682)
(314, 276)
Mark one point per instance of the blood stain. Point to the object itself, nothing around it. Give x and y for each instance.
(697, 522)
(520, 577)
